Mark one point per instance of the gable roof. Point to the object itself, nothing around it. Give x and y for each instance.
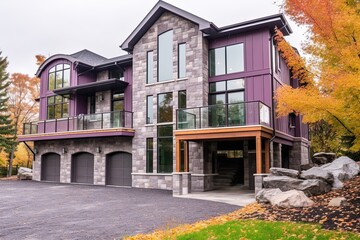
(207, 27)
(88, 57)
(153, 15)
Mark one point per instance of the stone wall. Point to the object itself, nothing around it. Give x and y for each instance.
(195, 83)
(72, 146)
(299, 154)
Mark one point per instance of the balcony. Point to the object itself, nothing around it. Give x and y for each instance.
(224, 115)
(117, 123)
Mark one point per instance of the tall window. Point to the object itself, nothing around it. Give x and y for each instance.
(165, 107)
(59, 76)
(91, 104)
(150, 67)
(182, 99)
(165, 56)
(165, 148)
(227, 98)
(182, 60)
(149, 155)
(149, 109)
(225, 60)
(57, 107)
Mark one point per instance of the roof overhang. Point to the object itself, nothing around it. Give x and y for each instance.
(93, 87)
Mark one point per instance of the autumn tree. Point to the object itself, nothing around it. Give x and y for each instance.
(330, 81)
(6, 127)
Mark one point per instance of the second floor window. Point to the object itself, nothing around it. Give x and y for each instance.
(165, 108)
(59, 76)
(57, 107)
(225, 60)
(149, 109)
(182, 60)
(165, 56)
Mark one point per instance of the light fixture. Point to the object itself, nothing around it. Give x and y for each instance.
(36, 151)
(64, 150)
(98, 149)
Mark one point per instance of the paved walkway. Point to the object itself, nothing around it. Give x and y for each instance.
(36, 210)
(231, 195)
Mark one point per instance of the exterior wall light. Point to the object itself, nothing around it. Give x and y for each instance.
(98, 149)
(64, 150)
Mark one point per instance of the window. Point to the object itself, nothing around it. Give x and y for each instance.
(149, 155)
(116, 73)
(150, 67)
(225, 60)
(182, 60)
(57, 107)
(182, 99)
(227, 100)
(165, 148)
(292, 120)
(91, 104)
(59, 76)
(149, 109)
(165, 56)
(277, 58)
(165, 107)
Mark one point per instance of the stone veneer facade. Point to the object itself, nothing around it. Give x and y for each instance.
(195, 83)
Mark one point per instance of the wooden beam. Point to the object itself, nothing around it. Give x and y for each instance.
(267, 155)
(186, 156)
(258, 155)
(178, 158)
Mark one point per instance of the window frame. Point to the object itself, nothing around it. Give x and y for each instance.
(168, 138)
(53, 70)
(158, 56)
(149, 118)
(55, 104)
(180, 63)
(158, 108)
(149, 155)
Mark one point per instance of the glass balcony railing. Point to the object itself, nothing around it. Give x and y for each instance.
(224, 115)
(116, 119)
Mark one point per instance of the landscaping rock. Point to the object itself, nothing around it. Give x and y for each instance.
(24, 169)
(265, 194)
(338, 202)
(343, 168)
(337, 184)
(309, 187)
(306, 166)
(25, 176)
(318, 173)
(290, 199)
(284, 172)
(323, 158)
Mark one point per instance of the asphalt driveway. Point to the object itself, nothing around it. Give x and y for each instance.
(38, 210)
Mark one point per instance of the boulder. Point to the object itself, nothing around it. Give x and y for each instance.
(24, 169)
(323, 158)
(338, 202)
(25, 176)
(292, 198)
(306, 166)
(264, 195)
(343, 168)
(309, 187)
(284, 172)
(318, 173)
(337, 184)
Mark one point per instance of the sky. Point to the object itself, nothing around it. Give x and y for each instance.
(48, 27)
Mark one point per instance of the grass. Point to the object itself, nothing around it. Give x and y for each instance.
(258, 229)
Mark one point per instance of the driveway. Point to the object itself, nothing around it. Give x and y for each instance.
(38, 210)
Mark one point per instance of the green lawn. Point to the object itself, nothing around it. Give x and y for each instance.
(256, 229)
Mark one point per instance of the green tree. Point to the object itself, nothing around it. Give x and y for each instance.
(7, 141)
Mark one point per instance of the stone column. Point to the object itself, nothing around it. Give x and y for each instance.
(259, 181)
(186, 183)
(177, 183)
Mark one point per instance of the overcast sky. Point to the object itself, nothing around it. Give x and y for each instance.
(30, 27)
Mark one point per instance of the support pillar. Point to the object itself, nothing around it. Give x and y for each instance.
(258, 155)
(267, 155)
(178, 158)
(186, 156)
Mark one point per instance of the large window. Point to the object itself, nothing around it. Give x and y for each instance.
(182, 60)
(165, 56)
(150, 67)
(149, 109)
(227, 100)
(165, 148)
(57, 107)
(59, 76)
(225, 60)
(165, 107)
(149, 155)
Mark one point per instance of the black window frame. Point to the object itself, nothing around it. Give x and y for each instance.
(53, 70)
(161, 140)
(149, 155)
(64, 101)
(226, 59)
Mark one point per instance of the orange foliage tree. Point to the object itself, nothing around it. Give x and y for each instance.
(330, 81)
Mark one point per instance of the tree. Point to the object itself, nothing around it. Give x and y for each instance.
(7, 140)
(330, 82)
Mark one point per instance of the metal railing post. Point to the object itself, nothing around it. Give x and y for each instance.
(55, 124)
(102, 120)
(68, 124)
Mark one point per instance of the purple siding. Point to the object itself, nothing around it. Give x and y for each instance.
(86, 78)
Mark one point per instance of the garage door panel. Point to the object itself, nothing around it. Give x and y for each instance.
(50, 167)
(82, 168)
(118, 169)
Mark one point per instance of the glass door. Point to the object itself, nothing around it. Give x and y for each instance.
(117, 108)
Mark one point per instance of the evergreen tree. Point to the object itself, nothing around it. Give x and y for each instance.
(7, 141)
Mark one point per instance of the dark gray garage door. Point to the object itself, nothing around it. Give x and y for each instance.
(82, 168)
(118, 169)
(50, 167)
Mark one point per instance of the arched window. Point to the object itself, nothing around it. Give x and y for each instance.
(59, 76)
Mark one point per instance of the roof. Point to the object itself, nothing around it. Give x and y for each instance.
(87, 58)
(209, 29)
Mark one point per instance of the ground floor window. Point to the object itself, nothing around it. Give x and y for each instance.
(165, 149)
(149, 155)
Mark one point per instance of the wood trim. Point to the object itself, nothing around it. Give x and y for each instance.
(186, 156)
(267, 155)
(258, 155)
(177, 149)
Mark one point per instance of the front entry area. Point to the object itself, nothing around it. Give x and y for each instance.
(82, 168)
(118, 169)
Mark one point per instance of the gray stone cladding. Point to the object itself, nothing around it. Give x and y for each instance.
(72, 146)
(195, 83)
(299, 153)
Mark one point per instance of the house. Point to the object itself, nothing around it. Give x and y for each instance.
(190, 108)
